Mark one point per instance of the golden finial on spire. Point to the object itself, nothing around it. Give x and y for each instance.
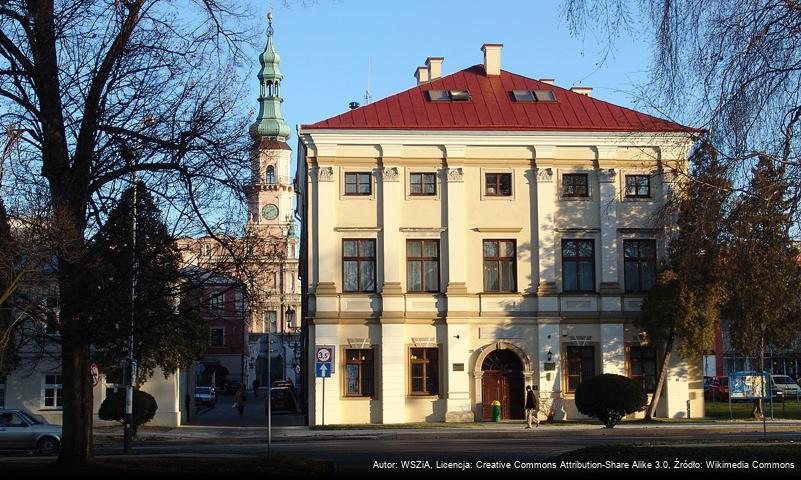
(270, 20)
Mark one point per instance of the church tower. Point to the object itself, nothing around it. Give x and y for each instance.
(271, 197)
(270, 203)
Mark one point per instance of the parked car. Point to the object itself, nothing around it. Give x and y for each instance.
(205, 396)
(717, 389)
(229, 387)
(787, 385)
(282, 398)
(286, 383)
(19, 430)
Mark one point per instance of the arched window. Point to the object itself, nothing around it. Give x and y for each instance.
(270, 176)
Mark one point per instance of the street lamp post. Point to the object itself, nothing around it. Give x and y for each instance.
(131, 377)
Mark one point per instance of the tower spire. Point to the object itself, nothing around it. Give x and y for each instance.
(270, 123)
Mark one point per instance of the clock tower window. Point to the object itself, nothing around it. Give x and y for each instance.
(270, 175)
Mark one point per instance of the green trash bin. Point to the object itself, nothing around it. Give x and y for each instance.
(496, 411)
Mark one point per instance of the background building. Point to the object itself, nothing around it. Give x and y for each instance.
(477, 233)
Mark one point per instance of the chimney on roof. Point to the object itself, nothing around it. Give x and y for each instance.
(582, 90)
(434, 65)
(492, 58)
(549, 81)
(421, 74)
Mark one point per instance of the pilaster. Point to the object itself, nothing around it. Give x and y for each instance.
(613, 349)
(393, 252)
(327, 247)
(459, 407)
(610, 284)
(546, 197)
(393, 376)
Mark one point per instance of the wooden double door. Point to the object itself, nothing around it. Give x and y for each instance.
(506, 387)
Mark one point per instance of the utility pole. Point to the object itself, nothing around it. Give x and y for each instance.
(131, 377)
(269, 389)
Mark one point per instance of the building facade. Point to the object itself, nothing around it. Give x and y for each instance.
(477, 233)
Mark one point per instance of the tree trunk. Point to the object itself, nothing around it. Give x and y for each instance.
(78, 402)
(651, 412)
(76, 444)
(759, 411)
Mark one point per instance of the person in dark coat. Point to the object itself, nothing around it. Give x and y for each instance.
(256, 385)
(241, 399)
(532, 406)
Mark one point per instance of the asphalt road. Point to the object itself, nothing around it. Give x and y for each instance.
(367, 456)
(253, 416)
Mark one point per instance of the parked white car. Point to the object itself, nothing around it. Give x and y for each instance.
(19, 430)
(787, 385)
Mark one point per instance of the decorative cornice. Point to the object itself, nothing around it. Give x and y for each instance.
(357, 229)
(498, 229)
(422, 229)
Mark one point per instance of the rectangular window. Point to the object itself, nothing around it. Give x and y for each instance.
(424, 368)
(2, 392)
(52, 394)
(359, 373)
(358, 183)
(639, 262)
(217, 337)
(638, 186)
(422, 265)
(642, 366)
(358, 265)
(217, 301)
(578, 265)
(575, 185)
(498, 184)
(580, 365)
(423, 184)
(499, 266)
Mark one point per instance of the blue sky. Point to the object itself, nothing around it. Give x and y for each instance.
(325, 49)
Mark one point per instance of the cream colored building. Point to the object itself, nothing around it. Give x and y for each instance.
(480, 232)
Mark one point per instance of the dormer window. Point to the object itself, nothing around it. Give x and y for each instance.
(269, 177)
(531, 96)
(449, 95)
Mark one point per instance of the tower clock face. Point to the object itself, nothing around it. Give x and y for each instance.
(270, 211)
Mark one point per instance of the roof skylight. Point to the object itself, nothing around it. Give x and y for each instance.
(531, 96)
(449, 95)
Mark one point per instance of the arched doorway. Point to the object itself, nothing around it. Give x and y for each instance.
(502, 380)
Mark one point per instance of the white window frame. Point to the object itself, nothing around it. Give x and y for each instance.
(497, 198)
(56, 387)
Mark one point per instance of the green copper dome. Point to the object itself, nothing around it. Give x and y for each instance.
(270, 122)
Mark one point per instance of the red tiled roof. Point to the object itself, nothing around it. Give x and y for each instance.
(492, 107)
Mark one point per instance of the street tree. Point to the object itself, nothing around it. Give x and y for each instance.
(763, 308)
(97, 90)
(168, 331)
(682, 311)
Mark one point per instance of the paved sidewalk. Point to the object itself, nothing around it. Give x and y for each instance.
(213, 434)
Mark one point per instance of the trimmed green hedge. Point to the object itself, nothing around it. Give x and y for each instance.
(610, 397)
(144, 407)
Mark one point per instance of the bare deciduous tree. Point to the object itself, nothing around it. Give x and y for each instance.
(96, 90)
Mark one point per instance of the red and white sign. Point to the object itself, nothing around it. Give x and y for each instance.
(94, 374)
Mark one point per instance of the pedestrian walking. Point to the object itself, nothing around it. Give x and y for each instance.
(241, 398)
(256, 384)
(532, 407)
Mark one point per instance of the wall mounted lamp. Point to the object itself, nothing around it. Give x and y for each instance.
(550, 355)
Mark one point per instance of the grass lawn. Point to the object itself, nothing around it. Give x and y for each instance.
(777, 453)
(279, 466)
(742, 410)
